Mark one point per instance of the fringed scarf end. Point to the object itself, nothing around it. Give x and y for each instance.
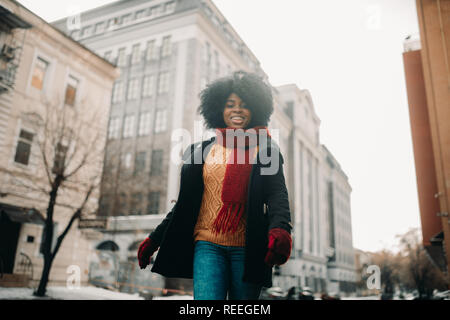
(228, 218)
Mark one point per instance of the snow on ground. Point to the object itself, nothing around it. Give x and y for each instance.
(94, 293)
(361, 298)
(63, 293)
(175, 297)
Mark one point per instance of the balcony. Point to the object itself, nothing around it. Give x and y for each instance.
(11, 27)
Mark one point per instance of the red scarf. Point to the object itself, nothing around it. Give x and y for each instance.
(237, 174)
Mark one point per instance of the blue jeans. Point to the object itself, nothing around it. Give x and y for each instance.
(218, 271)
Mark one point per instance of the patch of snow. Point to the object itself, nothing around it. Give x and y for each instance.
(175, 297)
(64, 293)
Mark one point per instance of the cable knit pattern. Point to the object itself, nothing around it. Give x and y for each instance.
(213, 176)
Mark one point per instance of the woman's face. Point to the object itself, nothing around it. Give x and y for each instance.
(235, 114)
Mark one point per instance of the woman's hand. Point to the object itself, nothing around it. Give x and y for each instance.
(145, 252)
(280, 245)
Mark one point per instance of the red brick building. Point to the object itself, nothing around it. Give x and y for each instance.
(427, 72)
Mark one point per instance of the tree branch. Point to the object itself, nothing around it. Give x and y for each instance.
(75, 216)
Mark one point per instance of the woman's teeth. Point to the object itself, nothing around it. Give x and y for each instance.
(237, 120)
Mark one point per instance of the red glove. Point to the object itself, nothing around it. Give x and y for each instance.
(146, 249)
(280, 245)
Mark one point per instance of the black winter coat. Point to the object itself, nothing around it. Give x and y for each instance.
(267, 207)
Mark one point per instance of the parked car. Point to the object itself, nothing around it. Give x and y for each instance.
(273, 293)
(299, 293)
(306, 294)
(444, 295)
(330, 296)
(387, 296)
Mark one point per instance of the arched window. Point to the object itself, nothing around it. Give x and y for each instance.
(108, 246)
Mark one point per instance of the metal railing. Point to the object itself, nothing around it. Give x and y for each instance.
(2, 267)
(25, 265)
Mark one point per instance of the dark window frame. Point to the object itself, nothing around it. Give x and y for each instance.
(23, 147)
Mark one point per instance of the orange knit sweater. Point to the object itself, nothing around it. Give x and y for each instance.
(213, 176)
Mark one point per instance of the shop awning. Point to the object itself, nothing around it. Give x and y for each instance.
(21, 215)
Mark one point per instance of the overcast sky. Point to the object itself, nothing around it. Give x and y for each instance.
(348, 54)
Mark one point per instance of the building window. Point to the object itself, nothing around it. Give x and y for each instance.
(216, 57)
(289, 110)
(87, 31)
(60, 159)
(111, 23)
(39, 73)
(133, 89)
(99, 27)
(136, 54)
(126, 18)
(148, 86)
(117, 92)
(135, 204)
(128, 126)
(71, 91)
(140, 14)
(156, 164)
(151, 53)
(23, 149)
(139, 162)
(153, 203)
(163, 84)
(155, 11)
(170, 7)
(160, 121)
(114, 128)
(144, 124)
(104, 205)
(126, 160)
(122, 203)
(208, 56)
(121, 58)
(166, 47)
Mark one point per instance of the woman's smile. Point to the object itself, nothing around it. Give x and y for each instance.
(237, 120)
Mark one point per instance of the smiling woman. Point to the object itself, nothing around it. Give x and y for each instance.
(231, 223)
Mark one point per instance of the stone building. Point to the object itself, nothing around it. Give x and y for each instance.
(319, 195)
(44, 75)
(336, 200)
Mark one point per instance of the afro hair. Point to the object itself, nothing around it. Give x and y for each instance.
(256, 94)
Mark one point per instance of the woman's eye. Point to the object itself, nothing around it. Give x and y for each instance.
(232, 105)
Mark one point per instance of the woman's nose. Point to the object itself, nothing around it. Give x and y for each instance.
(238, 107)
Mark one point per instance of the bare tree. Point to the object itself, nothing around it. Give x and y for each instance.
(70, 143)
(417, 270)
(388, 264)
